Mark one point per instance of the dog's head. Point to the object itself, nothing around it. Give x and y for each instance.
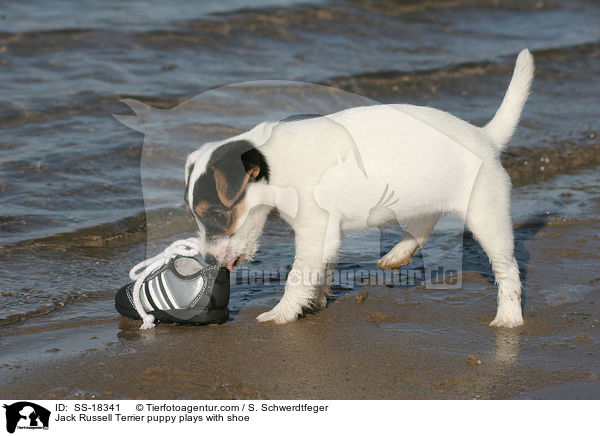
(219, 193)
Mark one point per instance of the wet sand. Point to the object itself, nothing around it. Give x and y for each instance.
(386, 344)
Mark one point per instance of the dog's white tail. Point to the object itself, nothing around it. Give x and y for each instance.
(503, 125)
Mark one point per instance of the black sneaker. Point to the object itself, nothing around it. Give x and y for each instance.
(184, 290)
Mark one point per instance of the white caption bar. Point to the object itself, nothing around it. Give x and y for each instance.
(158, 417)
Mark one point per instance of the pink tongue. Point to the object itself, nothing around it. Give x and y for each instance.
(230, 265)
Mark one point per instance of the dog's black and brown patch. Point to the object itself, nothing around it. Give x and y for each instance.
(219, 193)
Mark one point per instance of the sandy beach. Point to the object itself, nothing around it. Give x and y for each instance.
(101, 104)
(392, 344)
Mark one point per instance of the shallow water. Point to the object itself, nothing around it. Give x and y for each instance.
(71, 199)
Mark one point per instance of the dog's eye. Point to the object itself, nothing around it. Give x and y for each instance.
(216, 215)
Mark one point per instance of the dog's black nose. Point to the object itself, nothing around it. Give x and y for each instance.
(210, 259)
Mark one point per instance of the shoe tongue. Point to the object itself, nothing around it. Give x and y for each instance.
(187, 266)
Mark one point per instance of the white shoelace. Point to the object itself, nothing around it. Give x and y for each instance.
(184, 247)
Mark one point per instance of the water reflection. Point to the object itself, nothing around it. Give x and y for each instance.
(507, 345)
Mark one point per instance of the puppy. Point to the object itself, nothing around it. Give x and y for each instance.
(358, 168)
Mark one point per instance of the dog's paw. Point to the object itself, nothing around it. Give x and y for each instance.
(399, 256)
(509, 312)
(507, 321)
(278, 315)
(394, 262)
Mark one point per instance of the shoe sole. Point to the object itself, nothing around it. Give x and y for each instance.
(185, 316)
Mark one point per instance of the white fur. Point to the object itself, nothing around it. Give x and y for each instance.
(366, 166)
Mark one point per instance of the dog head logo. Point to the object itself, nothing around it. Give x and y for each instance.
(26, 415)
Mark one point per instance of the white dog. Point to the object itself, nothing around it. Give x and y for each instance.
(419, 161)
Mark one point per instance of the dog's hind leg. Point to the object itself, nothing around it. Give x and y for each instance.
(488, 218)
(417, 232)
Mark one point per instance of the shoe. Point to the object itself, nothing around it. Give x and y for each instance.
(177, 286)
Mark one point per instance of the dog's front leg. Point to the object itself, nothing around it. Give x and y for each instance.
(316, 247)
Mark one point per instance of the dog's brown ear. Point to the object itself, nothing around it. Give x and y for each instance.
(230, 186)
(234, 165)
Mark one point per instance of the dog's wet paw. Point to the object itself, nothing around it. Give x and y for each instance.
(509, 313)
(508, 322)
(277, 315)
(393, 263)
